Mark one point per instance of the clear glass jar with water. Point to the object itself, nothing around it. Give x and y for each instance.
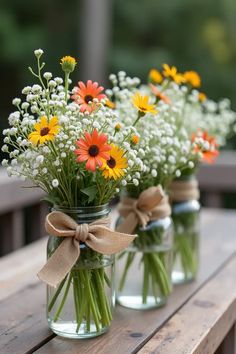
(185, 217)
(143, 270)
(82, 304)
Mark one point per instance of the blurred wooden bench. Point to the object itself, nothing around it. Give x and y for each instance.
(199, 317)
(21, 213)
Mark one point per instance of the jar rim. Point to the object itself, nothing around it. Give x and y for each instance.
(80, 208)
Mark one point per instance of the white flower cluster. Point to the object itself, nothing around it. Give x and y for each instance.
(37, 162)
(52, 164)
(163, 149)
(215, 118)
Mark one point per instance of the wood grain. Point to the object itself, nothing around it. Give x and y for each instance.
(19, 269)
(201, 325)
(22, 321)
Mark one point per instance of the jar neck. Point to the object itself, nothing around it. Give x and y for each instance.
(84, 215)
(183, 178)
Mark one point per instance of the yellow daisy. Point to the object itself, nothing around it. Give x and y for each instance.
(110, 104)
(172, 73)
(68, 64)
(114, 167)
(202, 96)
(45, 130)
(141, 103)
(155, 76)
(192, 78)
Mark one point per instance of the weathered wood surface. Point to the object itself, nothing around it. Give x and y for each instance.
(19, 269)
(23, 327)
(201, 325)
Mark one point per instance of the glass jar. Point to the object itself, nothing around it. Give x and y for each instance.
(143, 270)
(185, 217)
(82, 304)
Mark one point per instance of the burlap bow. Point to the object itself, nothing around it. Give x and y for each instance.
(152, 204)
(96, 235)
(181, 191)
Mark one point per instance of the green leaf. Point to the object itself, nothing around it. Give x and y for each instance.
(50, 199)
(90, 192)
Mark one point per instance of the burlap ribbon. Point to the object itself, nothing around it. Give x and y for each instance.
(181, 191)
(152, 204)
(96, 235)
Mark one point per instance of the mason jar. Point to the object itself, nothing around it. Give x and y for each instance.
(143, 270)
(82, 304)
(185, 216)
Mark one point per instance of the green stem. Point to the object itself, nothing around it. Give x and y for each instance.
(145, 279)
(76, 302)
(55, 296)
(66, 85)
(81, 307)
(101, 298)
(63, 299)
(129, 261)
(91, 300)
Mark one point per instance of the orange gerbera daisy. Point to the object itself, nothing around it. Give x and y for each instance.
(159, 95)
(86, 93)
(208, 155)
(93, 148)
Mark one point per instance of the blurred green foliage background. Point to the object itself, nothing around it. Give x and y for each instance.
(196, 34)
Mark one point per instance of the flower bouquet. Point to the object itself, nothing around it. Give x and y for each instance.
(67, 143)
(207, 124)
(144, 207)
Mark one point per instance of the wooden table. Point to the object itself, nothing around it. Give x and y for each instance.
(197, 318)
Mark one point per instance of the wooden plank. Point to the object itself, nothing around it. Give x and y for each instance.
(228, 346)
(19, 269)
(22, 325)
(13, 195)
(131, 329)
(17, 229)
(221, 176)
(201, 325)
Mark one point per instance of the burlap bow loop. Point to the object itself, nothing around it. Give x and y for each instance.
(96, 235)
(152, 204)
(143, 217)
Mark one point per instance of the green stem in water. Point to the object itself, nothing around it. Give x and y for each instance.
(91, 300)
(102, 299)
(63, 299)
(54, 299)
(129, 261)
(145, 279)
(81, 307)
